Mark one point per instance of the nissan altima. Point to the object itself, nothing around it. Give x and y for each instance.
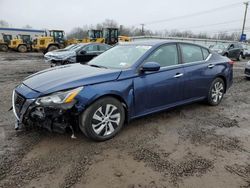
(126, 82)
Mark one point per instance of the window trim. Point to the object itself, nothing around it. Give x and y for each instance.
(193, 62)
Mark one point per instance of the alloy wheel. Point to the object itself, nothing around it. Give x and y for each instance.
(106, 120)
(217, 92)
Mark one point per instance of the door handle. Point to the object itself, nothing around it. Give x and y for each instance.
(210, 66)
(178, 75)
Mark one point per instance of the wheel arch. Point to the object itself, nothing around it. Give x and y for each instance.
(116, 96)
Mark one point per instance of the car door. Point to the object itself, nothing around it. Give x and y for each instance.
(161, 89)
(198, 71)
(89, 52)
(232, 51)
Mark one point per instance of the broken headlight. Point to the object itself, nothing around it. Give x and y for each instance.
(64, 97)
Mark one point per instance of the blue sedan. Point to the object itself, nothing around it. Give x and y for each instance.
(126, 82)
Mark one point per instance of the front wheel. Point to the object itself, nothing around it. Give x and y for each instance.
(216, 92)
(103, 119)
(52, 48)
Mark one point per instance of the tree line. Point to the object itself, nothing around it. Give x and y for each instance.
(82, 32)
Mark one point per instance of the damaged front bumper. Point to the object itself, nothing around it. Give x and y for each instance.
(30, 114)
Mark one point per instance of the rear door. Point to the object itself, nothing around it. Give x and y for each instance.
(233, 51)
(197, 70)
(158, 90)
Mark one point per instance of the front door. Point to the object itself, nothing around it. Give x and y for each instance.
(161, 89)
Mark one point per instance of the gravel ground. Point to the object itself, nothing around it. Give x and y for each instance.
(190, 146)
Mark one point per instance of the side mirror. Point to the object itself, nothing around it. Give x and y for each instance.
(83, 52)
(150, 67)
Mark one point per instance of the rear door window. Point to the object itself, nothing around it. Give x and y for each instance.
(191, 53)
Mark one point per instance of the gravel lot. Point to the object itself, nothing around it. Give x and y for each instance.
(191, 146)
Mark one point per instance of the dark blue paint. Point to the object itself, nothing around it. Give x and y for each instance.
(142, 92)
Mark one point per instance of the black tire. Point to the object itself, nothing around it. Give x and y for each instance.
(22, 49)
(211, 98)
(87, 120)
(240, 57)
(52, 48)
(4, 48)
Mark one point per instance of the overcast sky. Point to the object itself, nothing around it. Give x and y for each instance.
(62, 14)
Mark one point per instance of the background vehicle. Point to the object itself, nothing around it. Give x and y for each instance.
(5, 42)
(22, 43)
(52, 41)
(78, 53)
(232, 50)
(246, 51)
(247, 70)
(125, 82)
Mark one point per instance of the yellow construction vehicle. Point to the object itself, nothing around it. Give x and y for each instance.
(52, 41)
(123, 38)
(94, 35)
(22, 43)
(5, 42)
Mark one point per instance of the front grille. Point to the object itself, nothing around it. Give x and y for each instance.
(14, 42)
(19, 101)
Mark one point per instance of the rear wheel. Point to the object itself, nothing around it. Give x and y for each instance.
(22, 48)
(52, 48)
(216, 92)
(103, 119)
(240, 57)
(4, 48)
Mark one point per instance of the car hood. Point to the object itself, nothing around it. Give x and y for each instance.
(59, 55)
(69, 76)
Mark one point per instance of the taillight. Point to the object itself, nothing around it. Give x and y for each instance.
(231, 62)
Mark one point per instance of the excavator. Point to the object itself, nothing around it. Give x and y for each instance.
(22, 43)
(5, 42)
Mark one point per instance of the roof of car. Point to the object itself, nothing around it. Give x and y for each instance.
(156, 42)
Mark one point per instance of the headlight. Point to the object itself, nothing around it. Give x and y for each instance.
(58, 98)
(219, 51)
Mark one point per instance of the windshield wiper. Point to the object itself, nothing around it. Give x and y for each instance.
(98, 66)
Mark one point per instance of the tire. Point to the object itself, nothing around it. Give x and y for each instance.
(22, 49)
(52, 48)
(240, 57)
(4, 48)
(97, 123)
(216, 92)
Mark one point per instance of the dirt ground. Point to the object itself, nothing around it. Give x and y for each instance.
(191, 146)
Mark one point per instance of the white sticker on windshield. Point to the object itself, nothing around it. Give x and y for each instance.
(144, 47)
(123, 64)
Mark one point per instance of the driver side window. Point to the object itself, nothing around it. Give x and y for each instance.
(91, 48)
(165, 55)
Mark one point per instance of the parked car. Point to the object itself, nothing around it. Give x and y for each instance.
(247, 70)
(126, 82)
(76, 53)
(231, 50)
(246, 52)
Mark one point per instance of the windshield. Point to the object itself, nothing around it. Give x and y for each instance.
(70, 47)
(120, 57)
(77, 47)
(219, 46)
